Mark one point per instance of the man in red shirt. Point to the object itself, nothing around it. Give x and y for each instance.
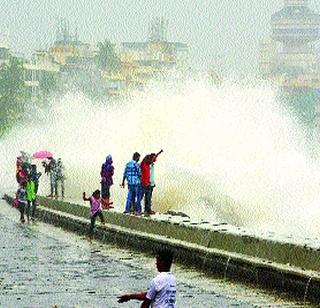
(145, 183)
(147, 180)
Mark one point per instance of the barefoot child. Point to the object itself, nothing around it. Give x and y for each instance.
(95, 209)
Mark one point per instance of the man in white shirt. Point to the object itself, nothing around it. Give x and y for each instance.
(162, 289)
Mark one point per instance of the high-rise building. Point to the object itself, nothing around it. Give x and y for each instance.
(68, 50)
(291, 55)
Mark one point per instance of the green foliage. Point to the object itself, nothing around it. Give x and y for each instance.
(48, 82)
(13, 92)
(302, 103)
(107, 58)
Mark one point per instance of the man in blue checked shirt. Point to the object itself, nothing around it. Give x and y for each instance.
(132, 173)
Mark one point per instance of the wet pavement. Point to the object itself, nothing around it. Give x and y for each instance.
(43, 266)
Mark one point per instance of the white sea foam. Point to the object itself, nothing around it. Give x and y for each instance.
(230, 153)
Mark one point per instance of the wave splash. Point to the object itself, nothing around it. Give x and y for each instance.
(230, 153)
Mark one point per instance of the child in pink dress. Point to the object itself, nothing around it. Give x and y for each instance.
(95, 209)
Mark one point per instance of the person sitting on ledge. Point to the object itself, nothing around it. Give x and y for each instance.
(162, 289)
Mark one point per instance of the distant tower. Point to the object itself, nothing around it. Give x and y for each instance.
(296, 26)
(63, 31)
(158, 30)
(76, 36)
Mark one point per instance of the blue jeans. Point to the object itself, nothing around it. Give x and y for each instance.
(134, 192)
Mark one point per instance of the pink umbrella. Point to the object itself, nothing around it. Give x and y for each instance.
(42, 154)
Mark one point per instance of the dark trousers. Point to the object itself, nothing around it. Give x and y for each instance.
(93, 221)
(21, 210)
(36, 186)
(105, 191)
(146, 192)
(56, 182)
(31, 206)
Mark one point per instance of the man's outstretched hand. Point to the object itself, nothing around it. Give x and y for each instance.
(124, 298)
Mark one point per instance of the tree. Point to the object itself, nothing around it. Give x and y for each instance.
(13, 91)
(107, 58)
(48, 82)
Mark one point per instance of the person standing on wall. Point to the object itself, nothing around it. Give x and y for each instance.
(145, 184)
(132, 173)
(49, 170)
(58, 171)
(162, 289)
(153, 158)
(106, 173)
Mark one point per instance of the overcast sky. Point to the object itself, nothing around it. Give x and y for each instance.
(218, 32)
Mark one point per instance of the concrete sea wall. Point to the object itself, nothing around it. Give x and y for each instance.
(283, 266)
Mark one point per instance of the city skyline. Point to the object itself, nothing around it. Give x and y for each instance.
(219, 34)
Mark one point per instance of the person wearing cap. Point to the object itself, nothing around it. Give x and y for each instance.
(106, 173)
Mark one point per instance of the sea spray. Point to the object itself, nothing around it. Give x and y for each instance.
(231, 153)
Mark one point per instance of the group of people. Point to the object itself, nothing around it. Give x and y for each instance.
(55, 170)
(140, 181)
(28, 183)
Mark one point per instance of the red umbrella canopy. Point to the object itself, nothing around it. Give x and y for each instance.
(42, 154)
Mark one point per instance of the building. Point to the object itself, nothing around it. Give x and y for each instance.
(142, 61)
(290, 55)
(41, 69)
(68, 51)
